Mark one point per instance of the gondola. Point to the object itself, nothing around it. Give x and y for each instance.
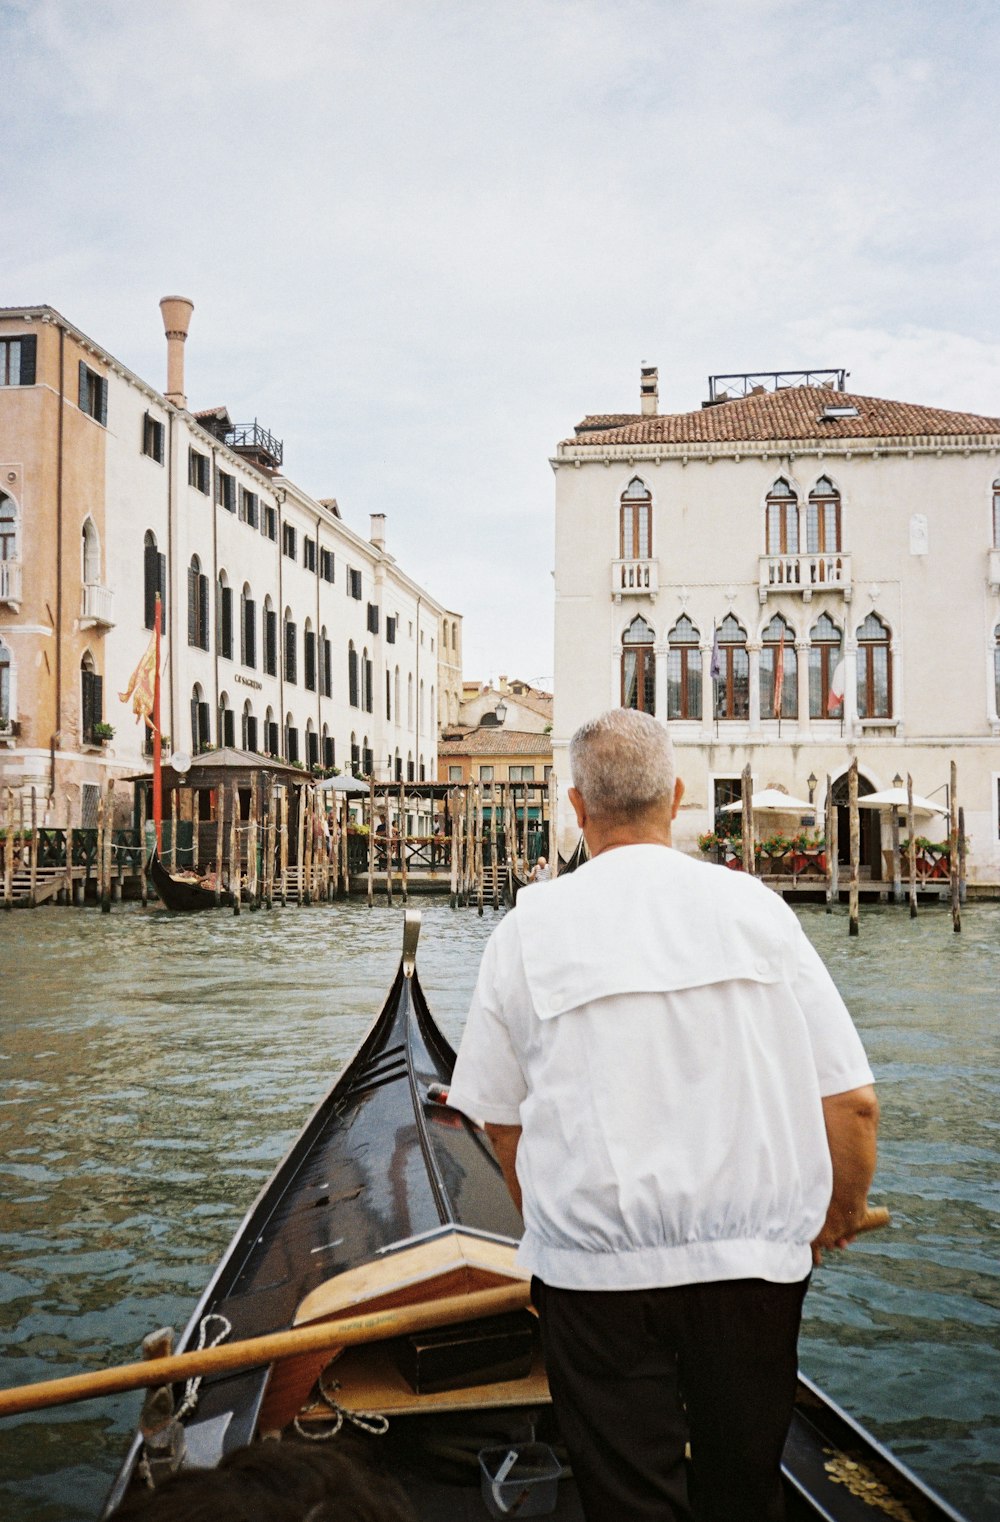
(390, 1198)
(576, 858)
(180, 893)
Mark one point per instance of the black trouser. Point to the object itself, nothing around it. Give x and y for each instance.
(634, 1374)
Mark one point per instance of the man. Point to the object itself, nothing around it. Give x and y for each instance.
(540, 871)
(685, 1115)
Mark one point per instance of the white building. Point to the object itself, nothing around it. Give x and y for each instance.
(285, 631)
(788, 521)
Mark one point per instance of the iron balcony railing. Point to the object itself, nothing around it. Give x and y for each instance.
(253, 437)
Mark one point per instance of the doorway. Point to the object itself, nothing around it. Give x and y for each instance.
(869, 826)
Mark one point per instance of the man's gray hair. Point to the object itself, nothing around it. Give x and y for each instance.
(622, 762)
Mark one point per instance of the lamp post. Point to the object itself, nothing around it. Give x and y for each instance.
(897, 781)
(811, 781)
(501, 711)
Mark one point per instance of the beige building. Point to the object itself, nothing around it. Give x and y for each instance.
(285, 631)
(522, 706)
(785, 526)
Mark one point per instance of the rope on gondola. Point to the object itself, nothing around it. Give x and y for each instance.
(193, 1386)
(372, 1422)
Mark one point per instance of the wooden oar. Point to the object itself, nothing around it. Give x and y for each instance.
(376, 1326)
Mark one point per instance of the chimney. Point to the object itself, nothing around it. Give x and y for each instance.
(176, 319)
(648, 390)
(377, 535)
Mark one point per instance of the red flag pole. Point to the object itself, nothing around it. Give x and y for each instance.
(157, 758)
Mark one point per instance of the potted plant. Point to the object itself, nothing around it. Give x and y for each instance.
(102, 731)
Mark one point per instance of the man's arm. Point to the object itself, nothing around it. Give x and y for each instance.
(504, 1140)
(851, 1128)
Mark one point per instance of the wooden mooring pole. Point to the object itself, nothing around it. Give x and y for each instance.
(897, 871)
(961, 856)
(252, 881)
(109, 841)
(371, 841)
(271, 843)
(553, 840)
(307, 842)
(479, 849)
(852, 803)
(235, 875)
(747, 800)
(956, 912)
(8, 855)
(69, 851)
(912, 846)
(494, 873)
(143, 884)
(829, 831)
(453, 821)
(220, 840)
(404, 869)
(285, 803)
(33, 878)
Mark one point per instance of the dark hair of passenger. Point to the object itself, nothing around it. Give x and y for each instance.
(274, 1482)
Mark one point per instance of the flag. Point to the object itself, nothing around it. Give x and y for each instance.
(141, 684)
(779, 675)
(715, 668)
(837, 683)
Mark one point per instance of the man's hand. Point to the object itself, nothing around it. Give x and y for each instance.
(851, 1128)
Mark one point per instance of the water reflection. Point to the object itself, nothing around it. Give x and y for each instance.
(154, 1069)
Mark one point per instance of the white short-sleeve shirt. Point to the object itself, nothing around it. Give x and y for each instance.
(663, 1033)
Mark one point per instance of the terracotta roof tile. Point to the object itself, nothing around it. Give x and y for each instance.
(793, 413)
(497, 741)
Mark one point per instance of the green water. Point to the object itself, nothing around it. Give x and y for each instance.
(153, 1069)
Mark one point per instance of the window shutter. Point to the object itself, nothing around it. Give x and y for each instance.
(327, 669)
(28, 347)
(102, 394)
(310, 660)
(161, 568)
(290, 653)
(352, 678)
(193, 580)
(369, 685)
(203, 610)
(205, 723)
(227, 622)
(84, 389)
(228, 727)
(150, 577)
(270, 641)
(250, 634)
(195, 737)
(87, 704)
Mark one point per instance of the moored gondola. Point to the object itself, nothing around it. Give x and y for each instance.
(390, 1199)
(183, 894)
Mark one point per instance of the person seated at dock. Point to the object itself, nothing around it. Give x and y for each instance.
(540, 872)
(685, 1116)
(275, 1482)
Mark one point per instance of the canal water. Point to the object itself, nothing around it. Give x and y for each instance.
(153, 1069)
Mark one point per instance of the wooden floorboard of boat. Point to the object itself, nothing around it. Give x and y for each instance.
(369, 1381)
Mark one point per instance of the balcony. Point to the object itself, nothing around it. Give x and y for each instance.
(634, 578)
(10, 583)
(9, 731)
(992, 571)
(97, 607)
(805, 574)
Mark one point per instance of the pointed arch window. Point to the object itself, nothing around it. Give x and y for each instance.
(778, 658)
(353, 678)
(329, 749)
(8, 528)
(91, 698)
(154, 580)
(227, 721)
(996, 669)
(270, 638)
(782, 519)
(638, 667)
(272, 739)
(312, 747)
(874, 670)
(636, 511)
(683, 671)
(825, 640)
(201, 720)
(291, 648)
(7, 696)
(823, 519)
(249, 735)
(291, 739)
(732, 687)
(90, 546)
(325, 666)
(224, 616)
(309, 656)
(248, 627)
(197, 605)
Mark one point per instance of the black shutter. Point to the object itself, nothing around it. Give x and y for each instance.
(273, 747)
(161, 573)
(352, 678)
(84, 388)
(203, 610)
(150, 577)
(227, 622)
(291, 670)
(250, 633)
(192, 605)
(102, 395)
(28, 347)
(310, 660)
(251, 740)
(312, 750)
(204, 724)
(328, 752)
(87, 704)
(195, 738)
(228, 735)
(369, 686)
(270, 642)
(327, 669)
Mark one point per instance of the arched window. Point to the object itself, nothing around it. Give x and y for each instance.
(823, 519)
(398, 769)
(409, 705)
(312, 746)
(996, 669)
(291, 739)
(395, 694)
(201, 720)
(91, 698)
(638, 668)
(290, 647)
(996, 513)
(325, 667)
(635, 516)
(355, 754)
(874, 670)
(824, 657)
(732, 688)
(227, 721)
(782, 519)
(270, 637)
(410, 773)
(778, 658)
(9, 539)
(434, 717)
(90, 549)
(154, 580)
(329, 750)
(367, 683)
(684, 671)
(353, 682)
(309, 656)
(224, 616)
(248, 627)
(8, 696)
(421, 709)
(272, 740)
(197, 605)
(454, 636)
(249, 736)
(367, 758)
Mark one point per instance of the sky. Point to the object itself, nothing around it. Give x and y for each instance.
(425, 237)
